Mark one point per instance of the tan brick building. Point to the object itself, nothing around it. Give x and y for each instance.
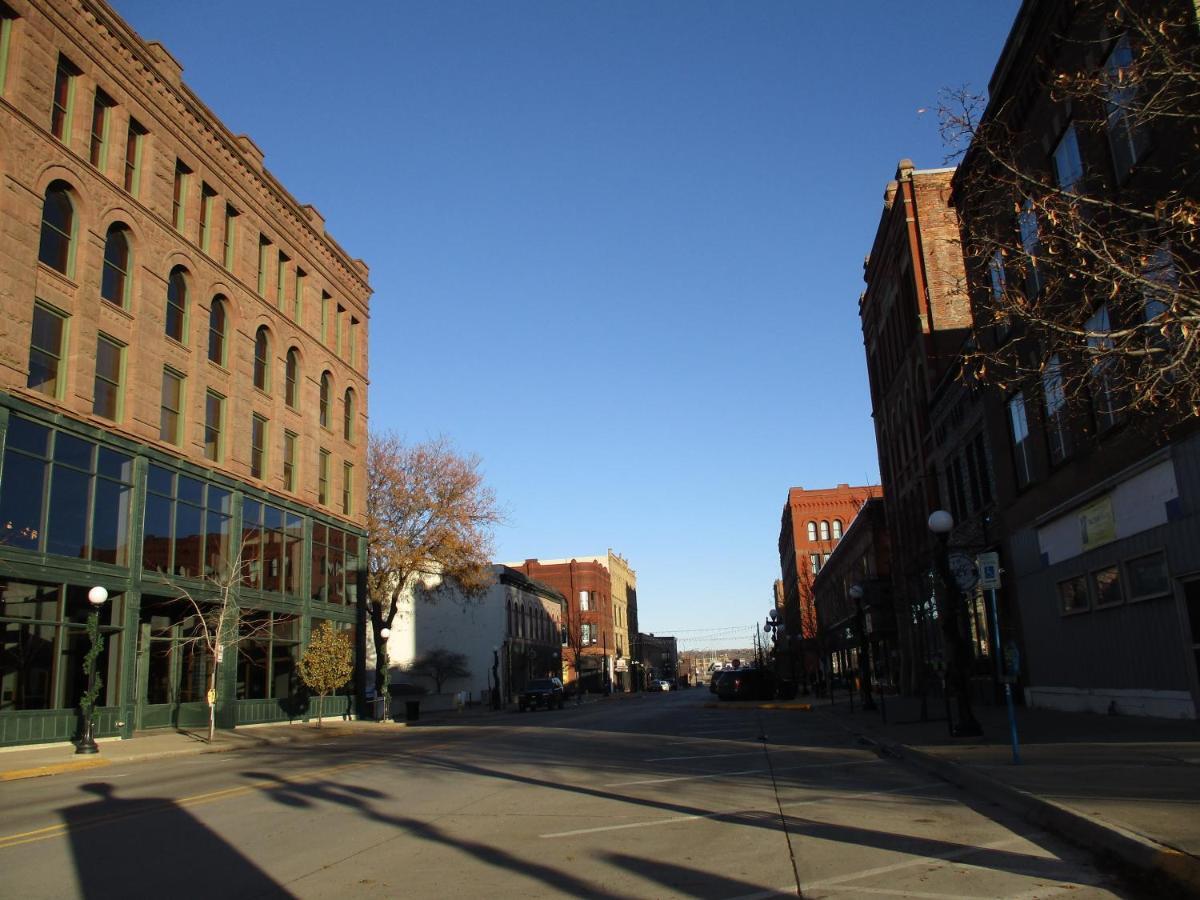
(183, 371)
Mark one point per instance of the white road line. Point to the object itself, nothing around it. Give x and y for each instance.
(739, 812)
(775, 748)
(949, 856)
(861, 762)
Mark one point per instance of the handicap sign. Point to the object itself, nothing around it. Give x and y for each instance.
(989, 570)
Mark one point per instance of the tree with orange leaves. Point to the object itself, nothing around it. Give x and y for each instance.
(429, 514)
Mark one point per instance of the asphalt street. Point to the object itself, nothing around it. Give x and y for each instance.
(648, 796)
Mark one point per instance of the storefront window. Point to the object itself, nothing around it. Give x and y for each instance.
(64, 495)
(43, 640)
(187, 526)
(267, 652)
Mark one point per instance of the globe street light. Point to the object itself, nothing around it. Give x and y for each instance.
(864, 647)
(97, 597)
(941, 523)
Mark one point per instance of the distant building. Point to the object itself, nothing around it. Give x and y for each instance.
(623, 588)
(508, 635)
(813, 522)
(915, 315)
(587, 586)
(659, 657)
(863, 558)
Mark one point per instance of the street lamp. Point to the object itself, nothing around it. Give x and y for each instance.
(97, 597)
(864, 647)
(941, 523)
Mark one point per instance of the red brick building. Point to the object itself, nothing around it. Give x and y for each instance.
(589, 615)
(813, 522)
(915, 314)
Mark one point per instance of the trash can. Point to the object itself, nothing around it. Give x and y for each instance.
(412, 710)
(381, 710)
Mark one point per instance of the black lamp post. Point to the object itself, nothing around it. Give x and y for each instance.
(864, 647)
(941, 523)
(97, 597)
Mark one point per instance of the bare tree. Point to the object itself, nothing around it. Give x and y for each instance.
(441, 665)
(219, 625)
(1083, 244)
(429, 514)
(576, 642)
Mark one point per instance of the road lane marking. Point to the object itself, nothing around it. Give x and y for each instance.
(775, 748)
(52, 831)
(738, 812)
(861, 762)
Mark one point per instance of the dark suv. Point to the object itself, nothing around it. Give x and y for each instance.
(547, 692)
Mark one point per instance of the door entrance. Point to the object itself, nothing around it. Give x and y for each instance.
(173, 667)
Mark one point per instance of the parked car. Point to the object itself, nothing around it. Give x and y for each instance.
(661, 685)
(747, 684)
(547, 692)
(714, 683)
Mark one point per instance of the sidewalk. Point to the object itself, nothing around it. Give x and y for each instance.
(37, 761)
(1124, 785)
(17, 763)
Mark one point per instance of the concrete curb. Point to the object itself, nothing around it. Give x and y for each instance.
(1181, 870)
(743, 705)
(245, 743)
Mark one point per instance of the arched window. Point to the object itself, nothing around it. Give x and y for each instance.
(812, 531)
(176, 321)
(292, 376)
(837, 529)
(58, 227)
(325, 387)
(348, 415)
(262, 359)
(217, 323)
(114, 281)
(824, 530)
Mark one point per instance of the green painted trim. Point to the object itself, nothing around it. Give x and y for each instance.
(6, 27)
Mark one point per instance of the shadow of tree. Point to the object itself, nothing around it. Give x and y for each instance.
(134, 848)
(305, 794)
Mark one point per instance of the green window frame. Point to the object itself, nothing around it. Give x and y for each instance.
(325, 298)
(289, 461)
(298, 299)
(179, 195)
(230, 237)
(175, 322)
(347, 488)
(188, 530)
(63, 99)
(102, 106)
(65, 495)
(117, 266)
(133, 157)
(281, 278)
(291, 378)
(214, 426)
(264, 249)
(170, 417)
(273, 542)
(353, 342)
(258, 445)
(348, 416)
(47, 347)
(207, 197)
(262, 359)
(108, 395)
(218, 328)
(323, 478)
(333, 566)
(56, 247)
(325, 399)
(7, 17)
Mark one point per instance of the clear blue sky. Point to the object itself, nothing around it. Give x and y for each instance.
(616, 247)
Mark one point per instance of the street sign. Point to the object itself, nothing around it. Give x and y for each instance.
(963, 568)
(989, 571)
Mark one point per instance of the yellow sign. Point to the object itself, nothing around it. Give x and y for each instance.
(1096, 523)
(212, 698)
